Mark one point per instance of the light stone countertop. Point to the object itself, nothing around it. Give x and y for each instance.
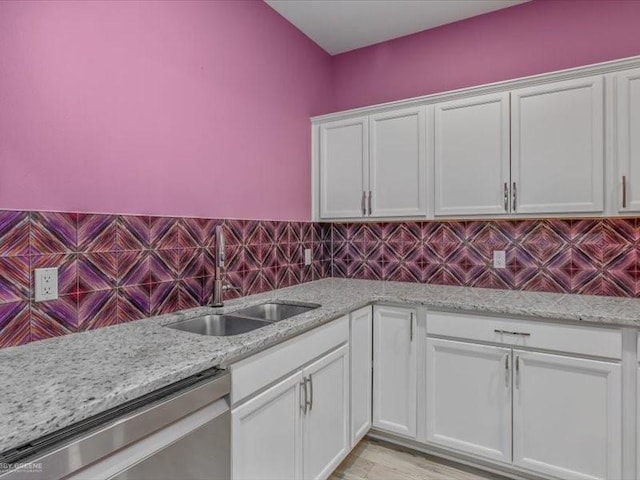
(51, 384)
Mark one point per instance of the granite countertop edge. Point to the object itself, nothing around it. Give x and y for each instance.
(51, 384)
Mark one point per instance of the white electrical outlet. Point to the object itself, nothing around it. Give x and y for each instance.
(307, 256)
(46, 284)
(499, 259)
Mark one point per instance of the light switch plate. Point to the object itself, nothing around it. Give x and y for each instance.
(307, 256)
(46, 284)
(499, 259)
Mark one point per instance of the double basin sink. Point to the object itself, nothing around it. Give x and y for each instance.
(244, 320)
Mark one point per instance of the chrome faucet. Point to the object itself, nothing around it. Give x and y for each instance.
(219, 285)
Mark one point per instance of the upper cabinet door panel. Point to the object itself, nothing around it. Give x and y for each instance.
(344, 157)
(398, 163)
(472, 156)
(628, 139)
(557, 147)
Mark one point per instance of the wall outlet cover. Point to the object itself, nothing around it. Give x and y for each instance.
(46, 284)
(499, 259)
(307, 256)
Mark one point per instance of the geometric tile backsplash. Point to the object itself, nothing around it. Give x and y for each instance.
(584, 256)
(119, 268)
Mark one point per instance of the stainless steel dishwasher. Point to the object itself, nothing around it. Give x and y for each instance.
(181, 432)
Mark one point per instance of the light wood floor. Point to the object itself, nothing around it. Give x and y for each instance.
(375, 460)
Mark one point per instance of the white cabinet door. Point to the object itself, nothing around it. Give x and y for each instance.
(567, 418)
(360, 352)
(325, 436)
(557, 147)
(397, 172)
(266, 434)
(472, 171)
(469, 398)
(344, 167)
(394, 370)
(628, 140)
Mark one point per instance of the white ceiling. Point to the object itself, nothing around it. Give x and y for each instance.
(342, 25)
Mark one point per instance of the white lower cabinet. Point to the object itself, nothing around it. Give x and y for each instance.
(394, 370)
(567, 416)
(469, 398)
(296, 427)
(266, 434)
(360, 351)
(325, 419)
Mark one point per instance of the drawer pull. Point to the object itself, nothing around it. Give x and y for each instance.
(509, 332)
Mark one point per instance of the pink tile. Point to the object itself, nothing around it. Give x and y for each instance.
(54, 318)
(14, 324)
(53, 232)
(14, 233)
(14, 279)
(97, 309)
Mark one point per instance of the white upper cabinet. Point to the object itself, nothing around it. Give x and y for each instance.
(397, 172)
(344, 167)
(628, 140)
(557, 147)
(472, 156)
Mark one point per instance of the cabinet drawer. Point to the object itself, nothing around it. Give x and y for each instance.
(259, 370)
(578, 339)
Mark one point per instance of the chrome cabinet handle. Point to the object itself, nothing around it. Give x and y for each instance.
(506, 369)
(364, 207)
(624, 191)
(311, 392)
(514, 191)
(303, 384)
(411, 328)
(509, 332)
(369, 202)
(506, 197)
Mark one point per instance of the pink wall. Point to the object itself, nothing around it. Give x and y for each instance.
(167, 107)
(535, 37)
(201, 108)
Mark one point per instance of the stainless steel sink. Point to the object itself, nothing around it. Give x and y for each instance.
(219, 325)
(276, 311)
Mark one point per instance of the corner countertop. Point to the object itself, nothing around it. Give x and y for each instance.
(51, 384)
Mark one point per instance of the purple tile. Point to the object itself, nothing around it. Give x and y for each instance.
(164, 233)
(133, 303)
(15, 326)
(191, 263)
(134, 268)
(287, 276)
(165, 298)
(97, 310)
(97, 233)
(258, 281)
(14, 233)
(134, 232)
(67, 270)
(196, 232)
(53, 232)
(234, 231)
(97, 271)
(54, 318)
(164, 265)
(14, 279)
(191, 293)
